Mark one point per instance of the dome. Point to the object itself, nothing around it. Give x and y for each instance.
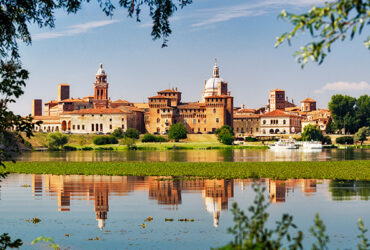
(100, 70)
(212, 82)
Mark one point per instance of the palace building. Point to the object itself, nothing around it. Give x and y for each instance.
(213, 111)
(90, 114)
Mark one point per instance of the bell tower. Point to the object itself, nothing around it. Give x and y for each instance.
(101, 89)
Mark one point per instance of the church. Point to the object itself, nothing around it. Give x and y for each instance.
(98, 114)
(90, 114)
(213, 111)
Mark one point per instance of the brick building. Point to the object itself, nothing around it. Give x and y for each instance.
(91, 114)
(214, 110)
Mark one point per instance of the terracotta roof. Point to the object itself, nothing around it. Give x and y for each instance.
(159, 97)
(52, 102)
(63, 84)
(236, 116)
(277, 90)
(278, 112)
(98, 111)
(169, 91)
(121, 101)
(46, 117)
(293, 109)
(142, 105)
(132, 108)
(245, 111)
(192, 105)
(74, 100)
(308, 100)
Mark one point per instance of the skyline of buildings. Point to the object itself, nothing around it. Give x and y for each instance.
(97, 113)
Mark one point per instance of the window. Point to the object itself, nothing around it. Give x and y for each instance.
(185, 121)
(110, 119)
(110, 126)
(158, 120)
(237, 129)
(123, 126)
(217, 120)
(204, 129)
(205, 121)
(264, 121)
(83, 127)
(92, 127)
(123, 119)
(101, 115)
(101, 127)
(194, 121)
(73, 127)
(78, 127)
(284, 121)
(97, 127)
(214, 110)
(256, 129)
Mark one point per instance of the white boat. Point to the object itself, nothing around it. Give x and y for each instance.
(284, 144)
(312, 145)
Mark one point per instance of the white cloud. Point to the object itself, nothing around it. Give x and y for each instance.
(344, 86)
(74, 29)
(217, 15)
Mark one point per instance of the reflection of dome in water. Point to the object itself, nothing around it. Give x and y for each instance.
(212, 207)
(101, 223)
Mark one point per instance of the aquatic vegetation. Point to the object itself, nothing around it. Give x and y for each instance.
(344, 170)
(186, 220)
(46, 240)
(26, 185)
(36, 220)
(150, 218)
(168, 219)
(143, 225)
(251, 230)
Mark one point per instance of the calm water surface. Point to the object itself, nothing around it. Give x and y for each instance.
(113, 208)
(237, 155)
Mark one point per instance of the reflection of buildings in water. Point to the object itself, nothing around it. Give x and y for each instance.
(99, 188)
(166, 192)
(280, 188)
(216, 195)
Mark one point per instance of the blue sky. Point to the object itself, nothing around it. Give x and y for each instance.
(240, 34)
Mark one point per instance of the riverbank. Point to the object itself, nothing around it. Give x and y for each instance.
(346, 170)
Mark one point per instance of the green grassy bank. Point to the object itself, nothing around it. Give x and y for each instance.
(347, 170)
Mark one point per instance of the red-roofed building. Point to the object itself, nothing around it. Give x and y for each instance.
(280, 122)
(214, 111)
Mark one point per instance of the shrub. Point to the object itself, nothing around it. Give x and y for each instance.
(225, 137)
(177, 132)
(153, 138)
(362, 134)
(132, 133)
(82, 140)
(326, 140)
(344, 140)
(227, 127)
(87, 148)
(102, 140)
(149, 138)
(312, 133)
(130, 143)
(69, 148)
(160, 139)
(56, 140)
(118, 133)
(250, 139)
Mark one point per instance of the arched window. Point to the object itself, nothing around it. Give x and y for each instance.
(158, 120)
(214, 110)
(271, 131)
(284, 122)
(264, 122)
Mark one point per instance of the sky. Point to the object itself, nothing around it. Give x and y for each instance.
(239, 33)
